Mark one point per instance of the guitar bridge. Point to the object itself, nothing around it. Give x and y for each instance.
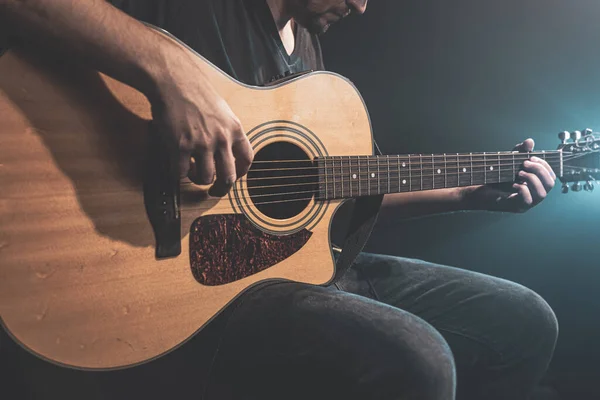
(161, 198)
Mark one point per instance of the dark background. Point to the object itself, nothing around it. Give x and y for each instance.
(452, 76)
(473, 75)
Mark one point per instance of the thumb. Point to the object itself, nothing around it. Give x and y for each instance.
(526, 146)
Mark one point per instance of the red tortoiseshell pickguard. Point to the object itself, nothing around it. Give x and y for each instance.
(227, 248)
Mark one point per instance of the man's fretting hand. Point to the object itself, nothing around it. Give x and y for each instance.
(533, 185)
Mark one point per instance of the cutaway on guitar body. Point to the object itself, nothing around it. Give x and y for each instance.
(80, 281)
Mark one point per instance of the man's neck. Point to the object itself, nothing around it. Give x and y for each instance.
(284, 23)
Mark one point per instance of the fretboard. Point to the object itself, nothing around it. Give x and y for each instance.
(357, 176)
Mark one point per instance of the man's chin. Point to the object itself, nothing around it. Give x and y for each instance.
(318, 28)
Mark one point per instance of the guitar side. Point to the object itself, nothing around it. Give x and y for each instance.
(79, 282)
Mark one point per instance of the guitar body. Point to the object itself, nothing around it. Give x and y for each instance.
(80, 282)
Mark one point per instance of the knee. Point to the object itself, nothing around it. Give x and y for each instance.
(533, 317)
(544, 323)
(419, 362)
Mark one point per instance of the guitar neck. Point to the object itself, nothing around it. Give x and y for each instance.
(357, 176)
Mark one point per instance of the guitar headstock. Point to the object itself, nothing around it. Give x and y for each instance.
(581, 160)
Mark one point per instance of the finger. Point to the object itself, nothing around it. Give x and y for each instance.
(541, 172)
(186, 165)
(226, 175)
(202, 168)
(243, 154)
(534, 186)
(522, 197)
(546, 165)
(178, 159)
(525, 147)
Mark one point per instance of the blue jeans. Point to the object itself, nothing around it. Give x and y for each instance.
(391, 328)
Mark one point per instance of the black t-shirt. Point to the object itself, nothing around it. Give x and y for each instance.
(238, 36)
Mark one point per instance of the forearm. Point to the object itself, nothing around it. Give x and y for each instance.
(95, 32)
(418, 204)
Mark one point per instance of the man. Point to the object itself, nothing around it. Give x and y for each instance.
(392, 328)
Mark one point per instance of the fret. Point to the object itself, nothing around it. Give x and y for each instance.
(333, 175)
(355, 176)
(378, 178)
(322, 182)
(350, 175)
(458, 170)
(432, 172)
(389, 175)
(348, 172)
(342, 177)
(484, 169)
(463, 170)
(421, 170)
(471, 157)
(409, 173)
(452, 175)
(445, 171)
(514, 166)
(438, 173)
(359, 179)
(368, 177)
(374, 175)
(399, 176)
(326, 180)
(499, 169)
(345, 176)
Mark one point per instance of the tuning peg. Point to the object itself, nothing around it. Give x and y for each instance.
(587, 132)
(576, 135)
(588, 187)
(565, 188)
(576, 187)
(564, 136)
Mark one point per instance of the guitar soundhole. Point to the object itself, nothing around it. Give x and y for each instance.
(282, 180)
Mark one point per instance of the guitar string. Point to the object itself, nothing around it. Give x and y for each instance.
(412, 155)
(344, 177)
(372, 183)
(333, 174)
(486, 163)
(393, 162)
(412, 159)
(207, 208)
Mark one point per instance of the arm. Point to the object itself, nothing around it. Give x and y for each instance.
(186, 109)
(107, 39)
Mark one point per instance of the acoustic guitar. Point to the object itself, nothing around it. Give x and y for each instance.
(106, 263)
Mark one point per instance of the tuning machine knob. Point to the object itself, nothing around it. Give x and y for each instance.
(588, 187)
(565, 188)
(576, 187)
(564, 136)
(576, 136)
(587, 132)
